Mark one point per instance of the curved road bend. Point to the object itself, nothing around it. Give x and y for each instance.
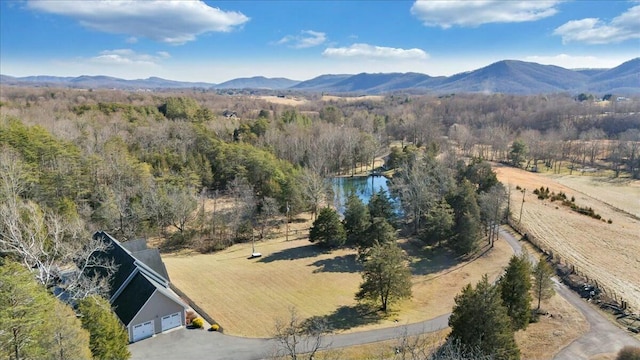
(603, 337)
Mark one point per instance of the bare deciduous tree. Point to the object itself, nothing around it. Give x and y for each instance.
(299, 339)
(52, 246)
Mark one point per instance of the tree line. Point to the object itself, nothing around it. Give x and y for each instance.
(144, 164)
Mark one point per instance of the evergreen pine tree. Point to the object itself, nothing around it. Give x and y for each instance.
(356, 218)
(327, 229)
(480, 321)
(542, 283)
(108, 337)
(386, 277)
(467, 227)
(514, 291)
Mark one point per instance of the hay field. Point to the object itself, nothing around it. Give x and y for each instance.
(608, 253)
(246, 295)
(292, 101)
(623, 194)
(352, 98)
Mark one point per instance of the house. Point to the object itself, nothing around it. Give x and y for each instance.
(140, 294)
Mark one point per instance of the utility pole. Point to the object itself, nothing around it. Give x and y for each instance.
(287, 224)
(524, 191)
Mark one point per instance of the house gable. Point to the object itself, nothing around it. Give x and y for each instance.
(131, 299)
(124, 261)
(140, 287)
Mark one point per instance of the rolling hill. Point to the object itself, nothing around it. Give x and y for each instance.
(506, 76)
(257, 82)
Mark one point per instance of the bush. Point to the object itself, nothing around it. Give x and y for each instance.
(215, 327)
(197, 323)
(629, 353)
(610, 221)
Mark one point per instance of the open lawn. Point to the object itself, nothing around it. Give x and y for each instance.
(608, 253)
(246, 295)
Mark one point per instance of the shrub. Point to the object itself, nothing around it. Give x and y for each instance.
(610, 221)
(629, 353)
(215, 327)
(197, 323)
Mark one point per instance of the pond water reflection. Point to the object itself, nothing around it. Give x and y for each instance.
(363, 187)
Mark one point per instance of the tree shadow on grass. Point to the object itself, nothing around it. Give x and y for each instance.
(348, 317)
(338, 264)
(429, 260)
(301, 252)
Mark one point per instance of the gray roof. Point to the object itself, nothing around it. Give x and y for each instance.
(135, 245)
(133, 297)
(151, 258)
(138, 276)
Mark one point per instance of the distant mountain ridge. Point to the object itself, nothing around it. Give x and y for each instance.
(506, 76)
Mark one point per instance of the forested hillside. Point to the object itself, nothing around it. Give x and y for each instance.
(136, 164)
(204, 171)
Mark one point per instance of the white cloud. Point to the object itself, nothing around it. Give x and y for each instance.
(129, 57)
(595, 31)
(306, 39)
(447, 13)
(169, 21)
(578, 61)
(131, 40)
(374, 52)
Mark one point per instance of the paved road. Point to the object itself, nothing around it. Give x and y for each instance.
(603, 337)
(185, 343)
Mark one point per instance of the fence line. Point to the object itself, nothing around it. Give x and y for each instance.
(565, 268)
(194, 306)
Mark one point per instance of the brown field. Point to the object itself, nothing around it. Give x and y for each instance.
(292, 101)
(621, 193)
(542, 340)
(352, 98)
(608, 253)
(246, 295)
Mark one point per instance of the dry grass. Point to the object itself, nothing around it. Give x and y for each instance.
(608, 253)
(542, 340)
(384, 349)
(352, 98)
(295, 101)
(246, 295)
(621, 193)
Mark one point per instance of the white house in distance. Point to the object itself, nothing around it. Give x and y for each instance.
(140, 293)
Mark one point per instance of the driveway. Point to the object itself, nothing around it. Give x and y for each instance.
(603, 336)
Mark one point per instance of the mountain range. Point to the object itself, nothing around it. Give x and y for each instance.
(507, 76)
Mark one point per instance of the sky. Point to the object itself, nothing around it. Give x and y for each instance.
(216, 41)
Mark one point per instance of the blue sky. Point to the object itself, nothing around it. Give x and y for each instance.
(215, 41)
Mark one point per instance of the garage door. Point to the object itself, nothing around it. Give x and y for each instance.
(142, 331)
(171, 321)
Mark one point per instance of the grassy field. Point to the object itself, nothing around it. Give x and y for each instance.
(608, 253)
(352, 98)
(541, 340)
(246, 295)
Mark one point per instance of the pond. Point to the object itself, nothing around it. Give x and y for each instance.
(362, 186)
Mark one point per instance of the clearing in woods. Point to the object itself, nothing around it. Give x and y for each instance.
(608, 253)
(246, 296)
